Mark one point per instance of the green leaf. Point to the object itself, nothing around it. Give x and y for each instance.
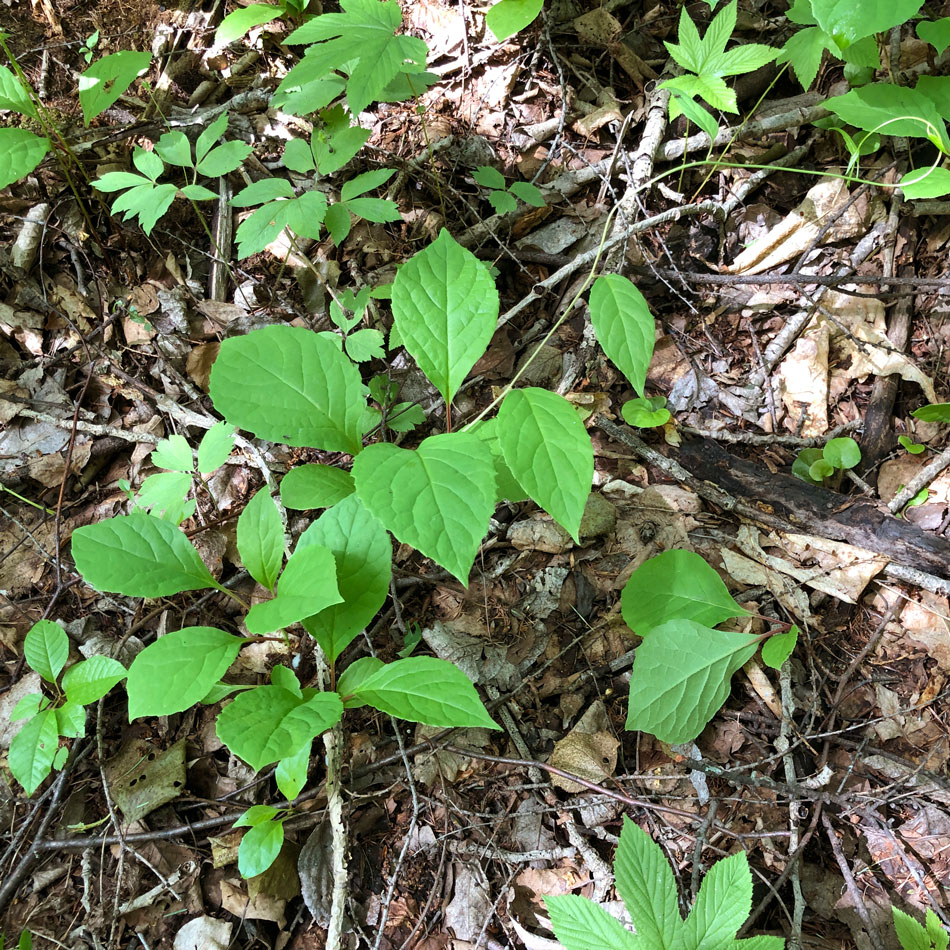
(239, 21)
(178, 670)
(377, 210)
(368, 181)
(33, 749)
(14, 95)
(549, 453)
(139, 556)
(175, 149)
(256, 815)
(746, 58)
(363, 345)
(624, 326)
(224, 159)
(360, 41)
(259, 848)
(848, 22)
(285, 677)
(935, 412)
(508, 17)
(308, 87)
(147, 203)
(676, 585)
(268, 723)
(337, 220)
(892, 110)
(646, 413)
(27, 708)
(425, 689)
(711, 88)
(353, 676)
(445, 307)
(363, 554)
(71, 720)
(260, 538)
(291, 385)
(502, 202)
(686, 105)
(291, 773)
(936, 33)
(438, 498)
(307, 585)
(215, 447)
(174, 454)
(315, 486)
(681, 677)
(722, 905)
(106, 80)
(843, 452)
(210, 135)
(910, 932)
(119, 181)
(778, 648)
(148, 163)
(926, 182)
(644, 881)
(819, 470)
(165, 495)
(804, 51)
(528, 193)
(267, 189)
(89, 680)
(580, 924)
(801, 467)
(689, 52)
(20, 152)
(46, 649)
(338, 141)
(488, 177)
(506, 485)
(717, 35)
(935, 931)
(915, 448)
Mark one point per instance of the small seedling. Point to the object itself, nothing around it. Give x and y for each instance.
(88, 47)
(915, 448)
(819, 465)
(646, 412)
(914, 935)
(502, 196)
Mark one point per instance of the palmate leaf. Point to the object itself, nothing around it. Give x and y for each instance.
(804, 51)
(723, 903)
(362, 40)
(580, 924)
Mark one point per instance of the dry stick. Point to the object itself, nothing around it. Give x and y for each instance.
(924, 477)
(851, 886)
(782, 745)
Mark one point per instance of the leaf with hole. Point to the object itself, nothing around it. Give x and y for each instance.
(139, 556)
(676, 585)
(178, 670)
(438, 498)
(101, 85)
(445, 307)
(548, 451)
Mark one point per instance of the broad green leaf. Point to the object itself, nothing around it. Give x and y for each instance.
(13, 94)
(210, 135)
(712, 89)
(360, 41)
(427, 690)
(105, 80)
(89, 680)
(488, 177)
(847, 21)
(308, 87)
(580, 924)
(506, 485)
(864, 54)
(746, 58)
(801, 467)
(33, 749)
(820, 470)
(681, 677)
(936, 932)
(549, 453)
(926, 182)
(676, 585)
(139, 556)
(365, 344)
(759, 943)
(892, 110)
(368, 181)
(285, 677)
(239, 21)
(778, 648)
(645, 413)
(175, 149)
(178, 670)
(307, 585)
(644, 881)
(915, 448)
(337, 220)
(147, 203)
(910, 932)
(28, 707)
(46, 649)
(502, 202)
(291, 773)
(508, 17)
(224, 159)
(722, 905)
(266, 724)
(528, 193)
(197, 193)
(363, 554)
(934, 32)
(681, 104)
(843, 452)
(717, 35)
(148, 163)
(259, 192)
(165, 495)
(20, 152)
(215, 447)
(71, 720)
(438, 498)
(256, 815)
(337, 141)
(291, 385)
(445, 307)
(119, 181)
(935, 412)
(378, 210)
(259, 848)
(315, 486)
(174, 454)
(688, 53)
(624, 326)
(260, 538)
(353, 676)
(804, 51)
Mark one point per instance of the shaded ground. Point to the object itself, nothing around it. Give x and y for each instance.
(834, 781)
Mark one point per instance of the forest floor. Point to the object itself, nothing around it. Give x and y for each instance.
(832, 776)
